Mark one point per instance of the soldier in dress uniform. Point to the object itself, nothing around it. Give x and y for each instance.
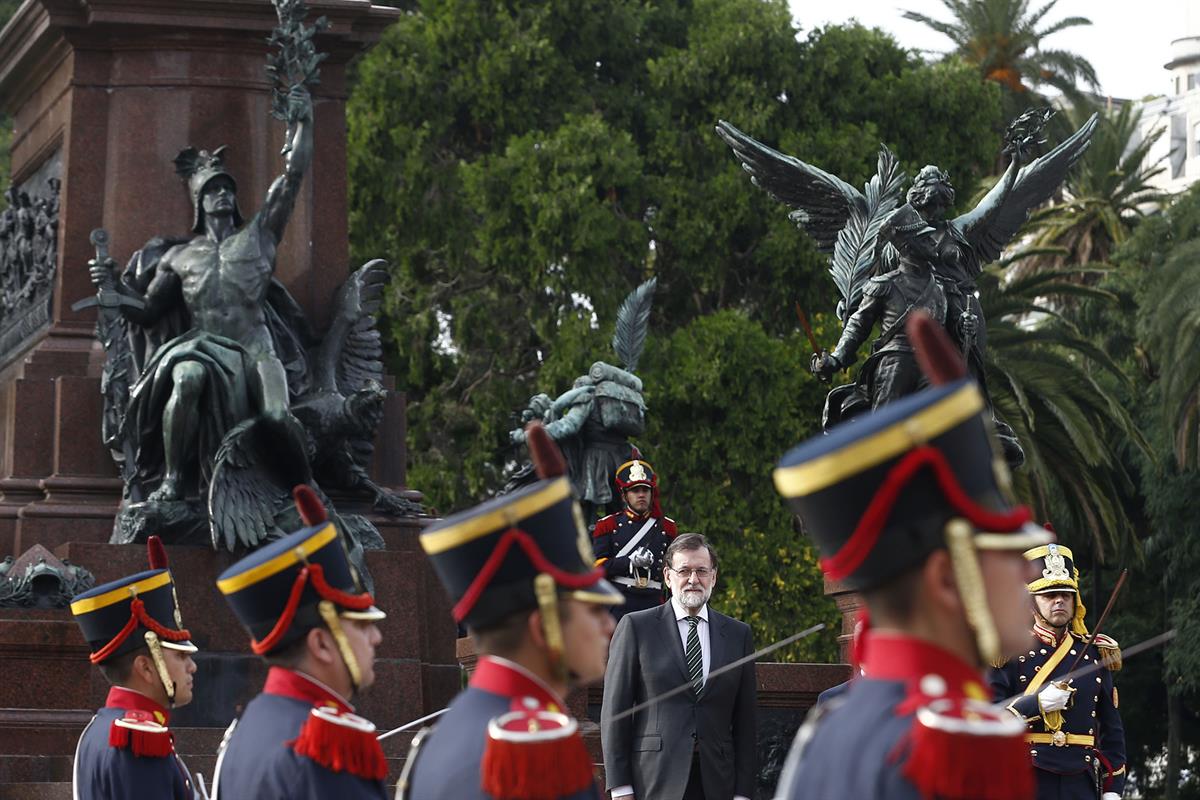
(315, 626)
(136, 634)
(1076, 737)
(519, 572)
(630, 543)
(909, 505)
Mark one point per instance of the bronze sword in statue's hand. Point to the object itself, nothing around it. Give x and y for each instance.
(107, 297)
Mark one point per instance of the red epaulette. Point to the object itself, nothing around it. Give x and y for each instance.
(605, 526)
(141, 734)
(534, 754)
(965, 749)
(669, 527)
(341, 742)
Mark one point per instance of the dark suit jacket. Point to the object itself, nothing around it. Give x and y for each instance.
(652, 749)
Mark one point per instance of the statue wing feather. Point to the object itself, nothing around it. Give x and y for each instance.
(250, 486)
(822, 202)
(351, 352)
(990, 226)
(854, 251)
(633, 319)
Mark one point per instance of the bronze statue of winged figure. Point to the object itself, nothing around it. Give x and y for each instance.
(894, 251)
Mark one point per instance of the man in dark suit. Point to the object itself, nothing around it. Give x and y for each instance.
(694, 745)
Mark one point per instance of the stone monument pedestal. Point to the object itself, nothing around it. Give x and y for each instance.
(104, 94)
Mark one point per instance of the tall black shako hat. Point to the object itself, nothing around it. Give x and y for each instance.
(116, 617)
(879, 493)
(519, 550)
(136, 611)
(304, 580)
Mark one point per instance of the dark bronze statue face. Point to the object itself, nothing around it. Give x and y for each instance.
(931, 193)
(219, 197)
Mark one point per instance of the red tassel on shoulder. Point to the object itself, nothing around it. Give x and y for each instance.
(141, 735)
(342, 742)
(535, 755)
(967, 750)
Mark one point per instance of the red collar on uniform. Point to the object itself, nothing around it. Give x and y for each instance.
(928, 671)
(131, 700)
(503, 677)
(298, 686)
(629, 512)
(1046, 635)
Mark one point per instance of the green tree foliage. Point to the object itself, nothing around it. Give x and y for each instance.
(1041, 378)
(1106, 195)
(523, 166)
(730, 399)
(1153, 278)
(1004, 39)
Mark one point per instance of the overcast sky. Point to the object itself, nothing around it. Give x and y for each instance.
(1127, 43)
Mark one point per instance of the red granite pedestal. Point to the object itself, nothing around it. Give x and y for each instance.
(104, 94)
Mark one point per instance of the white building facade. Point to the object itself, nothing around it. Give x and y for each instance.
(1178, 113)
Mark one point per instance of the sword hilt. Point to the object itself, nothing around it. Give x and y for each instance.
(107, 295)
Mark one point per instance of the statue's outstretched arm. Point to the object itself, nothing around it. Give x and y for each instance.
(298, 151)
(572, 421)
(857, 329)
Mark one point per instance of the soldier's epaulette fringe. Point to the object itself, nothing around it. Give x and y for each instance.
(341, 742)
(967, 749)
(139, 733)
(534, 754)
(1110, 651)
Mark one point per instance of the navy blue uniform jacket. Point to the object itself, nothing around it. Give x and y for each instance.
(103, 772)
(1091, 726)
(448, 761)
(257, 763)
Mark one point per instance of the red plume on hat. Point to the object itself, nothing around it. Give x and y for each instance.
(547, 458)
(156, 553)
(939, 359)
(312, 510)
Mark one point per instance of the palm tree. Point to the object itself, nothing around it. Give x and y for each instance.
(1171, 333)
(1003, 38)
(1106, 195)
(1039, 371)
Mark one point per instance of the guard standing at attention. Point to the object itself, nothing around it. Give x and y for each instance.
(519, 572)
(630, 543)
(1075, 734)
(909, 505)
(315, 626)
(138, 641)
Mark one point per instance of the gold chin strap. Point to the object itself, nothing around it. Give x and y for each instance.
(160, 664)
(329, 613)
(546, 591)
(959, 535)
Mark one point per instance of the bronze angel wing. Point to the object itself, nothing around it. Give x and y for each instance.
(349, 361)
(254, 472)
(995, 221)
(822, 202)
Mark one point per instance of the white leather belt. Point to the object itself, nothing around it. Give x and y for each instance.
(651, 584)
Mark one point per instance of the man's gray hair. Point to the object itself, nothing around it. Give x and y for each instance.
(687, 542)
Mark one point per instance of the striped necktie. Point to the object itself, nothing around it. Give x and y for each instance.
(694, 657)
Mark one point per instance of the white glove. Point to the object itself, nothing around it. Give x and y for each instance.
(1110, 796)
(1054, 698)
(642, 558)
